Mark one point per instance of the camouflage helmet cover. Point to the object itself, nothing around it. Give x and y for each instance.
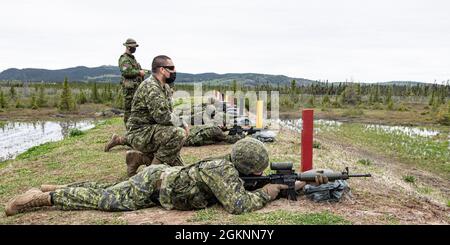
(249, 156)
(130, 42)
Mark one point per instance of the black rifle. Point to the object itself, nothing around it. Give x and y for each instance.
(236, 129)
(287, 176)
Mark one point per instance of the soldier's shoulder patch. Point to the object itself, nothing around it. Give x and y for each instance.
(125, 66)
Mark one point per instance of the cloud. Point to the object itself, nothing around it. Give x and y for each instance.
(335, 40)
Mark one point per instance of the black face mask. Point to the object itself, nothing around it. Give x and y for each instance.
(132, 50)
(171, 79)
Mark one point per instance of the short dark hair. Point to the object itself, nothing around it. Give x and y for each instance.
(159, 61)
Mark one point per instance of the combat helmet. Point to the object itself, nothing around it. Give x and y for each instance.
(130, 42)
(249, 156)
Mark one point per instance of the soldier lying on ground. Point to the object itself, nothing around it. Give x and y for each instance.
(210, 181)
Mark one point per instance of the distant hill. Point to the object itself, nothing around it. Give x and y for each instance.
(79, 73)
(112, 74)
(411, 83)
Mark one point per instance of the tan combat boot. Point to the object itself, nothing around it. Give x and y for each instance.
(30, 199)
(115, 140)
(134, 159)
(47, 188)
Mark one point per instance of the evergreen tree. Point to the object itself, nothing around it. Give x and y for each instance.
(41, 101)
(234, 86)
(66, 102)
(18, 104)
(118, 102)
(94, 94)
(325, 100)
(431, 101)
(388, 99)
(12, 92)
(33, 103)
(82, 99)
(3, 103)
(293, 87)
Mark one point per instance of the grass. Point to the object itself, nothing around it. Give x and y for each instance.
(283, 217)
(206, 215)
(75, 132)
(353, 112)
(409, 178)
(423, 152)
(81, 158)
(39, 150)
(448, 203)
(72, 159)
(317, 145)
(365, 162)
(278, 217)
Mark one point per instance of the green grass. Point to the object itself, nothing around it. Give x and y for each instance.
(75, 132)
(365, 162)
(409, 178)
(282, 217)
(72, 159)
(205, 215)
(353, 112)
(279, 217)
(38, 150)
(423, 152)
(317, 145)
(448, 203)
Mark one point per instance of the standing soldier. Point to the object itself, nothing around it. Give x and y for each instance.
(132, 76)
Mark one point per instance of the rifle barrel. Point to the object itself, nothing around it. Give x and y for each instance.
(359, 175)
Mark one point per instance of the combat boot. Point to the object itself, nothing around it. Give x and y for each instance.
(30, 199)
(134, 159)
(47, 188)
(115, 140)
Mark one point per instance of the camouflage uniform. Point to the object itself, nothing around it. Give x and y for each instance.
(184, 188)
(131, 79)
(152, 127)
(209, 134)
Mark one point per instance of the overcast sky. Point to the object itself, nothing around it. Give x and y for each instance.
(357, 40)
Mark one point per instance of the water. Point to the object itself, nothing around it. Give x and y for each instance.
(17, 137)
(296, 125)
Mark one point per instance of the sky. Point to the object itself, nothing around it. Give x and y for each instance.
(345, 40)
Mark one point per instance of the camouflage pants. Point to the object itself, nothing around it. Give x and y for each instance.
(207, 135)
(159, 141)
(128, 94)
(132, 194)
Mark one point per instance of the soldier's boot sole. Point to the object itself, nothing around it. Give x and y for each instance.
(114, 141)
(133, 159)
(32, 198)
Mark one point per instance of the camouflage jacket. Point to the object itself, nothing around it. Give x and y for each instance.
(129, 68)
(207, 182)
(152, 104)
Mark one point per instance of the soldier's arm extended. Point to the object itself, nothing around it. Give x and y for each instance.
(223, 180)
(127, 69)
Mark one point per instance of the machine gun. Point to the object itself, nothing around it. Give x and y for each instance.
(284, 174)
(238, 130)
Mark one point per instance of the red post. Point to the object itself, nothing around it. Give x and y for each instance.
(307, 140)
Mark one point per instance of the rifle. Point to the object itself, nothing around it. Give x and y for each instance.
(287, 176)
(236, 129)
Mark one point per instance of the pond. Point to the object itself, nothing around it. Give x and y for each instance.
(17, 137)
